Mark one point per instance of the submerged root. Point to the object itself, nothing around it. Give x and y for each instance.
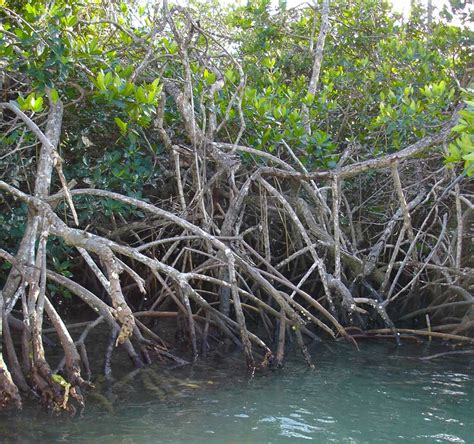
(152, 386)
(102, 400)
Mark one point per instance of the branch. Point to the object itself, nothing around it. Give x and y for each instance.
(355, 169)
(318, 60)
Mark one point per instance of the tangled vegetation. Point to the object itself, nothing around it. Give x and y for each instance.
(244, 176)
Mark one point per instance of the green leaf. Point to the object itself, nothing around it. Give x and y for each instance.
(121, 124)
(154, 84)
(117, 83)
(458, 128)
(230, 75)
(54, 95)
(22, 102)
(209, 77)
(153, 90)
(294, 117)
(308, 99)
(140, 95)
(266, 136)
(442, 86)
(38, 105)
(465, 142)
(100, 81)
(31, 101)
(128, 89)
(465, 113)
(171, 47)
(454, 154)
(108, 79)
(269, 62)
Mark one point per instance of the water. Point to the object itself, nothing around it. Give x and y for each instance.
(378, 395)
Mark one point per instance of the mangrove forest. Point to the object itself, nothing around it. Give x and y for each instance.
(180, 180)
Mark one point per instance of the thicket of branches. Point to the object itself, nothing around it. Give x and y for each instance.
(258, 176)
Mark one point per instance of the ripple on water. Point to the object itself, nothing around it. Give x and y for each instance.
(292, 428)
(444, 437)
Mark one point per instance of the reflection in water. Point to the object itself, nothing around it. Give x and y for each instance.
(381, 394)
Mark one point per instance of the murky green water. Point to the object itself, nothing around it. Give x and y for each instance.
(380, 394)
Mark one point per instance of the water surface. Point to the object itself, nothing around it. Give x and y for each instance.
(381, 394)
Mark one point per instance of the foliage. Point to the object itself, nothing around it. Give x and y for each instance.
(462, 149)
(383, 84)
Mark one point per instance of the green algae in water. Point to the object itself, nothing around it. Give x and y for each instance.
(380, 394)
